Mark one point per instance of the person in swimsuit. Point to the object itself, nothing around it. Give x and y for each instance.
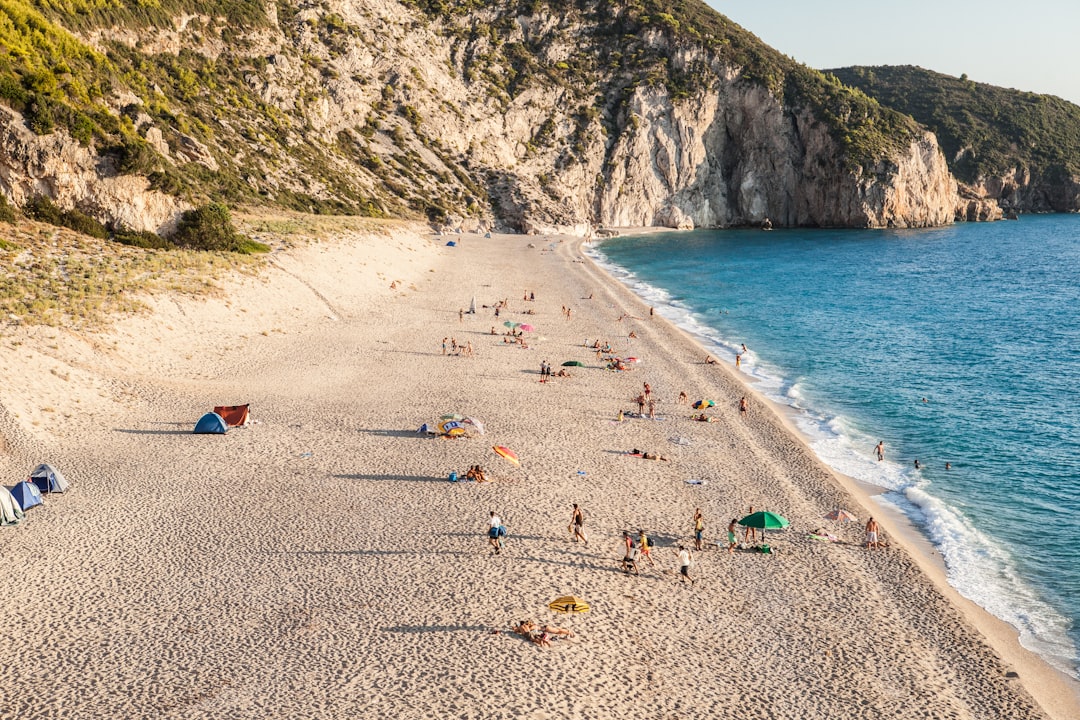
(494, 523)
(699, 528)
(629, 561)
(872, 534)
(731, 541)
(577, 525)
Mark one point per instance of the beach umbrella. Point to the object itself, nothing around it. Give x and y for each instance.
(511, 324)
(526, 327)
(841, 516)
(764, 520)
(573, 363)
(506, 453)
(452, 428)
(569, 604)
(702, 404)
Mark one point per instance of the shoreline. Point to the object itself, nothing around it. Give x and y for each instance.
(319, 561)
(1050, 681)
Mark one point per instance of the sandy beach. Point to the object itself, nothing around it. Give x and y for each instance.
(318, 564)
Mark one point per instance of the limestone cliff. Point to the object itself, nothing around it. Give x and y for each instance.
(535, 115)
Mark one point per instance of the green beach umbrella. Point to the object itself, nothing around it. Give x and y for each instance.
(573, 363)
(764, 520)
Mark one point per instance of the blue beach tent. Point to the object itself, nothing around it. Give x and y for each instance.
(451, 244)
(211, 423)
(48, 479)
(26, 494)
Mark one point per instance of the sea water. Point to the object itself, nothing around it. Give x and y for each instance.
(956, 345)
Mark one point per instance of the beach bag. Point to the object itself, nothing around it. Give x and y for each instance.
(502, 531)
(453, 476)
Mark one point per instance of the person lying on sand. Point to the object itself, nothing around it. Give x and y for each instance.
(647, 455)
(541, 635)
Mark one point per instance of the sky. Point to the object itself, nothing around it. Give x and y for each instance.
(1031, 45)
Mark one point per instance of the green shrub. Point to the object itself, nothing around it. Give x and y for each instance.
(210, 227)
(7, 210)
(140, 239)
(44, 210)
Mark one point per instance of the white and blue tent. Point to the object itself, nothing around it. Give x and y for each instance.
(48, 479)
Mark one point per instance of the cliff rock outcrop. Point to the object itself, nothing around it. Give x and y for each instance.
(554, 116)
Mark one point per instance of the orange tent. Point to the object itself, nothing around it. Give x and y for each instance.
(233, 415)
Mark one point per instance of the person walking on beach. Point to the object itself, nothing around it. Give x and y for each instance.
(685, 559)
(629, 561)
(738, 360)
(461, 315)
(577, 526)
(494, 531)
(744, 405)
(872, 534)
(731, 541)
(880, 450)
(645, 546)
(699, 528)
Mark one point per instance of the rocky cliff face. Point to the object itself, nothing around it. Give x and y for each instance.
(541, 118)
(58, 167)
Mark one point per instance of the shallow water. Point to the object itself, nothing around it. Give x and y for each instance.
(955, 345)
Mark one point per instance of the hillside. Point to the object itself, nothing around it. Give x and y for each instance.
(527, 114)
(1018, 147)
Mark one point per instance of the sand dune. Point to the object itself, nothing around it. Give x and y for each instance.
(317, 564)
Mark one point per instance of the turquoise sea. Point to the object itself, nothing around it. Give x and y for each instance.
(854, 329)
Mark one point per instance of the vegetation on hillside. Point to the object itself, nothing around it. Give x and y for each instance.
(985, 131)
(107, 72)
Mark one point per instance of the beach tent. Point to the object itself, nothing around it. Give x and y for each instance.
(26, 494)
(10, 512)
(451, 244)
(211, 423)
(48, 479)
(233, 415)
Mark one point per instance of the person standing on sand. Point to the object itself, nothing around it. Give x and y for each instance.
(744, 405)
(699, 528)
(738, 360)
(494, 523)
(872, 534)
(648, 391)
(685, 559)
(880, 450)
(461, 315)
(751, 533)
(444, 346)
(629, 561)
(731, 541)
(577, 526)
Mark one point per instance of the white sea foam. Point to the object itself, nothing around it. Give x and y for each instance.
(980, 569)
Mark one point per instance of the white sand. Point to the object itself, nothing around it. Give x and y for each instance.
(318, 565)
